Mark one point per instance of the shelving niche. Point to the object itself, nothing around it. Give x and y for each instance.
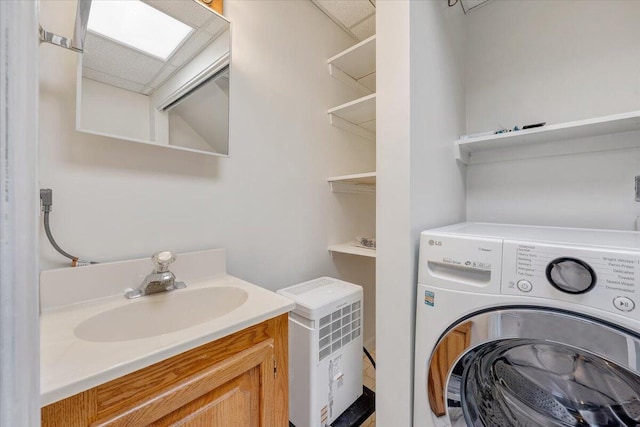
(352, 249)
(357, 117)
(562, 138)
(356, 183)
(355, 66)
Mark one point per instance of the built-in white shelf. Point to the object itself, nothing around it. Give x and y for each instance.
(562, 138)
(358, 116)
(348, 248)
(356, 65)
(356, 183)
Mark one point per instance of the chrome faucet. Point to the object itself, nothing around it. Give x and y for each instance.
(160, 279)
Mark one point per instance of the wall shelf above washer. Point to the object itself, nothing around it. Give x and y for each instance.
(351, 249)
(356, 183)
(358, 117)
(551, 140)
(356, 65)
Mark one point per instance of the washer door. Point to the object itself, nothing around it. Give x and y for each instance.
(535, 367)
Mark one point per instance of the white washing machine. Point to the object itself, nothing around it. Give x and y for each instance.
(527, 326)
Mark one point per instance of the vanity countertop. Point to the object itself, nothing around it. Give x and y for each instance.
(69, 365)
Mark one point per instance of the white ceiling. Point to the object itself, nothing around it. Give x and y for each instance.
(356, 17)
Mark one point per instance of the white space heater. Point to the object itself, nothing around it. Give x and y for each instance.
(325, 350)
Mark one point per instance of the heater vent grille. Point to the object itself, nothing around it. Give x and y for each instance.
(338, 329)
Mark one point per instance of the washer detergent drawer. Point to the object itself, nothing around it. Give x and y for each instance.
(460, 263)
(520, 373)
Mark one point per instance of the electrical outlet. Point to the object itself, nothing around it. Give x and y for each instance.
(46, 199)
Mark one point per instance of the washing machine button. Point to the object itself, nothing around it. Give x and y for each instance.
(624, 303)
(524, 285)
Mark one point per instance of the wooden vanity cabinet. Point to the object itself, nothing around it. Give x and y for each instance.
(237, 381)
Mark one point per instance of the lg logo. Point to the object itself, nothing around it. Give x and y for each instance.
(435, 243)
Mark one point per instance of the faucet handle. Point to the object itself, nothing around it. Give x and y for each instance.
(162, 260)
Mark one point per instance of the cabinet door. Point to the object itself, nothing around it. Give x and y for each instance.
(234, 404)
(235, 392)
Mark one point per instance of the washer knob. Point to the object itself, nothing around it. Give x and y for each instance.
(571, 275)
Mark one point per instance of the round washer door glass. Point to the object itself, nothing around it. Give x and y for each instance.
(534, 367)
(521, 382)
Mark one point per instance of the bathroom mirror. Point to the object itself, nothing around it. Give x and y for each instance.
(156, 72)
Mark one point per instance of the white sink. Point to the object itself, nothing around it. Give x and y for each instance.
(161, 313)
(91, 334)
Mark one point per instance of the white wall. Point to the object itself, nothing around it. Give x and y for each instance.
(126, 113)
(268, 204)
(206, 115)
(185, 135)
(420, 110)
(555, 61)
(593, 190)
(535, 61)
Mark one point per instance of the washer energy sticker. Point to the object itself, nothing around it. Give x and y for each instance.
(429, 298)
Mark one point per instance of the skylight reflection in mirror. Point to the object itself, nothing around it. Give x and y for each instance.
(138, 25)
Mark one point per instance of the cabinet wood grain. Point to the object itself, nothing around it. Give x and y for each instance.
(442, 361)
(231, 404)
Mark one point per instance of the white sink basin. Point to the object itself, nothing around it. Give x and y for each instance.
(91, 334)
(161, 313)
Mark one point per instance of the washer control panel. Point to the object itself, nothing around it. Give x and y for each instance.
(609, 280)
